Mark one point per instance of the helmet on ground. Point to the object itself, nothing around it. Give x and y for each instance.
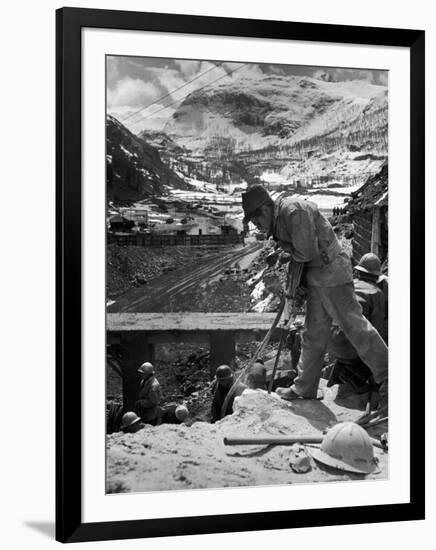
(129, 419)
(369, 263)
(224, 372)
(181, 413)
(255, 197)
(347, 447)
(146, 368)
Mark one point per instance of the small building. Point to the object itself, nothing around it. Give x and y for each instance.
(120, 223)
(368, 209)
(228, 230)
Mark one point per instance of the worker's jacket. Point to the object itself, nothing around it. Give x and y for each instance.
(373, 304)
(218, 400)
(301, 229)
(149, 398)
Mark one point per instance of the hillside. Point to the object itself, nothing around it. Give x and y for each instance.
(277, 110)
(134, 167)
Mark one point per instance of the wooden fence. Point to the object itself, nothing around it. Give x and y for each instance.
(362, 241)
(144, 239)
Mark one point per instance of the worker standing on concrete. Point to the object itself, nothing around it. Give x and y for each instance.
(224, 381)
(301, 229)
(150, 395)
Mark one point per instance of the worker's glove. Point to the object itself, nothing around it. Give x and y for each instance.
(284, 258)
(272, 258)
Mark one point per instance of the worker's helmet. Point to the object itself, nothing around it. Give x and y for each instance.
(224, 372)
(347, 447)
(369, 263)
(129, 419)
(181, 413)
(146, 368)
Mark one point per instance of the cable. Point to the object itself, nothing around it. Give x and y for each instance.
(170, 93)
(179, 100)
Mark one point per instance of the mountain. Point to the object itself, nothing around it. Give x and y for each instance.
(279, 111)
(134, 167)
(162, 142)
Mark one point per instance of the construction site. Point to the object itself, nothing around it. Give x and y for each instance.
(197, 309)
(246, 276)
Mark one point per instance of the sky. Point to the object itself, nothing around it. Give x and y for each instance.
(145, 91)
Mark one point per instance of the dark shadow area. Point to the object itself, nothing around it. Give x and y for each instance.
(237, 453)
(320, 416)
(347, 397)
(46, 528)
(336, 471)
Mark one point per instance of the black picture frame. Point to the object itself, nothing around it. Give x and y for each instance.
(69, 525)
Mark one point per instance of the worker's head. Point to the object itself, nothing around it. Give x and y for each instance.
(146, 370)
(256, 378)
(258, 207)
(369, 267)
(131, 423)
(224, 376)
(181, 413)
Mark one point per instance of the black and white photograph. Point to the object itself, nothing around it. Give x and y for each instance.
(247, 274)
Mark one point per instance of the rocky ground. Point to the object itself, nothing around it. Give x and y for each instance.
(171, 457)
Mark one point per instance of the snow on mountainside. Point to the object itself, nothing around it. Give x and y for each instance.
(281, 111)
(134, 167)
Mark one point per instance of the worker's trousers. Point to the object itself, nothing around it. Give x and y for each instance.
(338, 303)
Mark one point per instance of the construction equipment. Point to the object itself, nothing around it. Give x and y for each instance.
(273, 440)
(293, 279)
(287, 440)
(267, 439)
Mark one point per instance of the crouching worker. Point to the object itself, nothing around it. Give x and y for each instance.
(147, 405)
(131, 423)
(174, 414)
(256, 378)
(224, 381)
(349, 368)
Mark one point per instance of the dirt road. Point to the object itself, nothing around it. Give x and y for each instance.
(172, 285)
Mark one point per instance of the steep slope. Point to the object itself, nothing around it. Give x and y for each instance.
(280, 111)
(134, 168)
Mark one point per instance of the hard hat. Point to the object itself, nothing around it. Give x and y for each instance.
(129, 419)
(146, 368)
(347, 447)
(181, 413)
(369, 263)
(254, 198)
(224, 372)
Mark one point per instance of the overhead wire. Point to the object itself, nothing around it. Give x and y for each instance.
(181, 99)
(170, 93)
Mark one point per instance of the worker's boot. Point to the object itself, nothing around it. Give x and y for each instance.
(288, 394)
